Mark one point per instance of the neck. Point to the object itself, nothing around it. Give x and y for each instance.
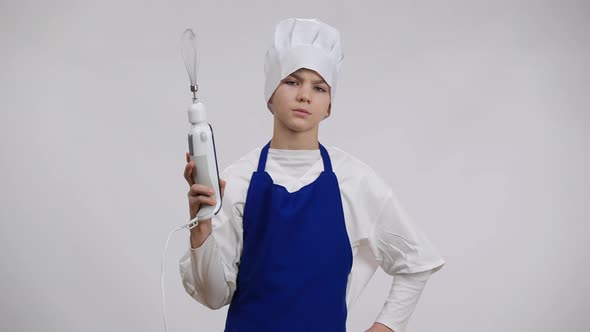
(286, 139)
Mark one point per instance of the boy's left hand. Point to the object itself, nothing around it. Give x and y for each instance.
(377, 327)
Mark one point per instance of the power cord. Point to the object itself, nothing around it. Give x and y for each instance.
(192, 223)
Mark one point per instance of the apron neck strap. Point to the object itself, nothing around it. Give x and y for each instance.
(323, 152)
(325, 158)
(262, 159)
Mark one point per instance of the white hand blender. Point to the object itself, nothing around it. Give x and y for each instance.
(201, 142)
(201, 146)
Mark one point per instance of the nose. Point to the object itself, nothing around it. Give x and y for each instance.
(303, 94)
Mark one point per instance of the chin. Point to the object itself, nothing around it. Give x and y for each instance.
(299, 126)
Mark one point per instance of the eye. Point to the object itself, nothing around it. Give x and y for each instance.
(319, 88)
(290, 82)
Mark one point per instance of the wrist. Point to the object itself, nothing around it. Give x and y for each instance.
(200, 233)
(378, 327)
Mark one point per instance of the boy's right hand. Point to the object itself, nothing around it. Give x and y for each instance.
(199, 194)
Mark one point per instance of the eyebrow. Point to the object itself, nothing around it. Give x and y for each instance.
(301, 79)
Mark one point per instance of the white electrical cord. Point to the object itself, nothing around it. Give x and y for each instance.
(192, 223)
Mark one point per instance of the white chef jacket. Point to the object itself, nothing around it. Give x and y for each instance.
(380, 232)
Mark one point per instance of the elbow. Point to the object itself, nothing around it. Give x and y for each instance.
(213, 306)
(213, 301)
(208, 299)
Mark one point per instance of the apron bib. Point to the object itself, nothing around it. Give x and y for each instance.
(296, 257)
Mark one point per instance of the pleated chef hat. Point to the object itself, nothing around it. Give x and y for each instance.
(303, 43)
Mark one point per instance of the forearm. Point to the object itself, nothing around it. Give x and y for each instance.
(202, 273)
(405, 292)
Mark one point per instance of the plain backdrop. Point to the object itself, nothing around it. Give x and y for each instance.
(475, 112)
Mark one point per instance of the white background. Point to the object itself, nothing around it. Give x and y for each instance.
(476, 113)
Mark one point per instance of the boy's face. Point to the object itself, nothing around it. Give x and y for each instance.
(303, 89)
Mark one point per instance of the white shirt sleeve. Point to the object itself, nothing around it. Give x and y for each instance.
(404, 294)
(403, 251)
(209, 272)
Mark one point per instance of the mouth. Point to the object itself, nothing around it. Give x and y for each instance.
(301, 110)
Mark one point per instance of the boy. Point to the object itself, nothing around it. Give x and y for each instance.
(302, 227)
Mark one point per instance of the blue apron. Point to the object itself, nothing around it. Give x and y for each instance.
(296, 257)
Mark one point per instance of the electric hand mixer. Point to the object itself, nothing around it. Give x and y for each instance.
(200, 138)
(201, 147)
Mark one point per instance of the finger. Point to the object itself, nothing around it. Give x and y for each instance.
(197, 201)
(222, 184)
(188, 157)
(188, 173)
(199, 189)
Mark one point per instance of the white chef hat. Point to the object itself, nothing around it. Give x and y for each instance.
(303, 43)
